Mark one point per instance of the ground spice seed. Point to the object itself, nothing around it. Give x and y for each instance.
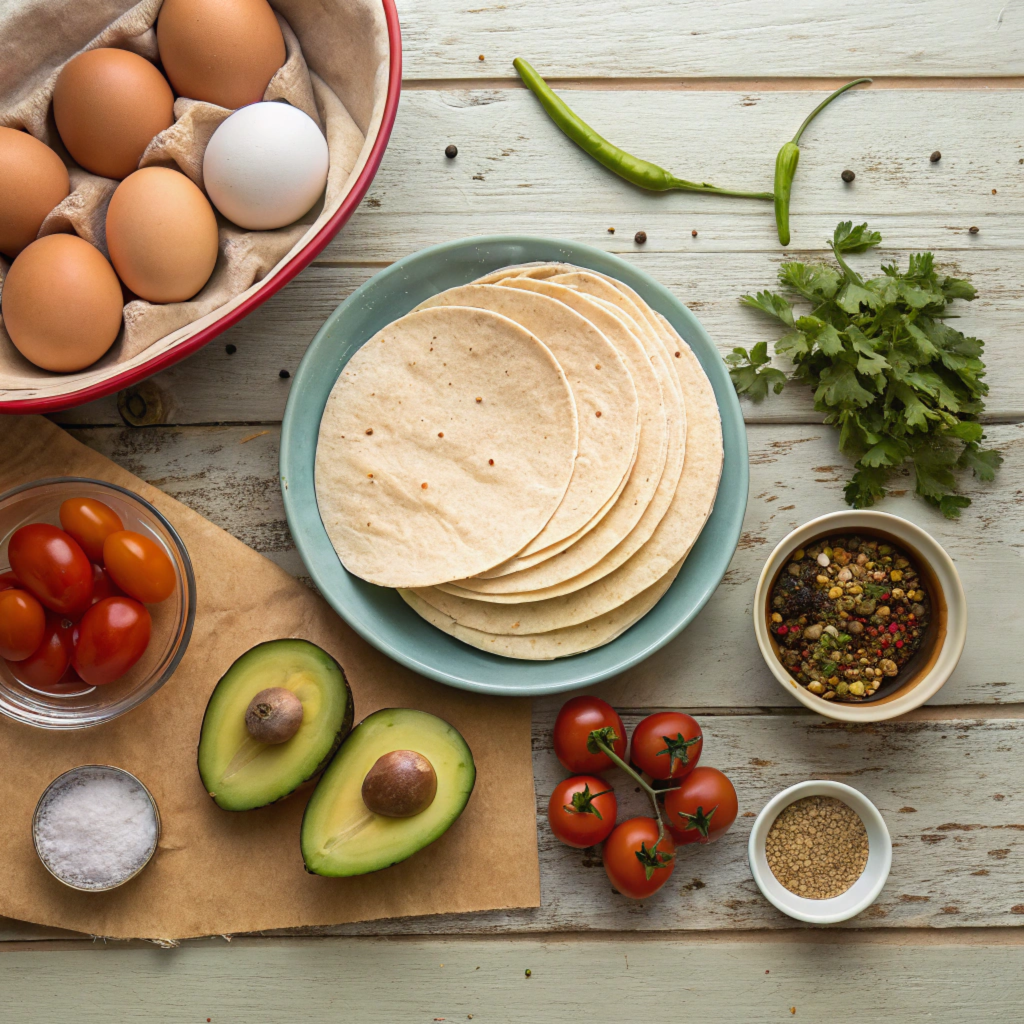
(817, 847)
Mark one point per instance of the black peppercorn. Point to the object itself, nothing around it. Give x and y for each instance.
(935, 157)
(847, 176)
(451, 151)
(973, 230)
(230, 349)
(284, 375)
(640, 237)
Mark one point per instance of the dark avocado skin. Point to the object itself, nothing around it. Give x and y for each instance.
(343, 731)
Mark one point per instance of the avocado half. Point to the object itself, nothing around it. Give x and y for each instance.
(341, 837)
(241, 773)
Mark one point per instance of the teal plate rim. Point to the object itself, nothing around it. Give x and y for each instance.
(378, 614)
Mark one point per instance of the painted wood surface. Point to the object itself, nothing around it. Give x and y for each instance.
(376, 981)
(741, 38)
(516, 174)
(229, 474)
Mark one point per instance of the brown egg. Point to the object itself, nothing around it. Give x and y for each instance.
(108, 105)
(34, 180)
(221, 51)
(62, 303)
(161, 235)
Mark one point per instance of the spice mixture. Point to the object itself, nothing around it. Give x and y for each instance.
(817, 847)
(96, 828)
(848, 613)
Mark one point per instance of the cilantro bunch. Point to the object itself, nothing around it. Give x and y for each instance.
(898, 382)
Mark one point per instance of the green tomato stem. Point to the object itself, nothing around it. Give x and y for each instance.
(648, 789)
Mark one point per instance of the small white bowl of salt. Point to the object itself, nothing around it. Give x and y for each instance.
(95, 827)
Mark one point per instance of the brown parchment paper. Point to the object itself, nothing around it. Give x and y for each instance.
(221, 872)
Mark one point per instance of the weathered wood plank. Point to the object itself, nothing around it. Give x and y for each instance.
(796, 474)
(690, 38)
(377, 980)
(515, 173)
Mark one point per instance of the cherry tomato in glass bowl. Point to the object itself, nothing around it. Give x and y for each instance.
(103, 586)
(90, 522)
(702, 808)
(22, 624)
(632, 863)
(582, 811)
(666, 745)
(48, 663)
(139, 566)
(52, 567)
(112, 636)
(578, 718)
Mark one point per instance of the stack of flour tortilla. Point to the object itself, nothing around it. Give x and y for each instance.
(527, 459)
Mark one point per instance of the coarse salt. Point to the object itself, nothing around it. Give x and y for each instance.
(95, 828)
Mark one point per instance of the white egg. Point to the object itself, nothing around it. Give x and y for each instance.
(266, 165)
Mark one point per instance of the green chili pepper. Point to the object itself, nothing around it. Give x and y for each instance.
(789, 157)
(639, 172)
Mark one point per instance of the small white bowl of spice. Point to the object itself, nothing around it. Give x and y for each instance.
(820, 852)
(95, 827)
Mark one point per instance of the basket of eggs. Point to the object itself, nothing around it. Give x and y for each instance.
(166, 166)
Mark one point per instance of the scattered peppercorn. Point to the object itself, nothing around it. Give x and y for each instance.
(528, 972)
(847, 614)
(817, 847)
(935, 157)
(230, 349)
(974, 230)
(847, 176)
(694, 232)
(284, 375)
(611, 231)
(993, 191)
(640, 237)
(481, 57)
(451, 151)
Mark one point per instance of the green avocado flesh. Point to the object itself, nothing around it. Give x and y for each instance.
(341, 837)
(239, 772)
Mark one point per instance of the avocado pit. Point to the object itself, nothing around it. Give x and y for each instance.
(400, 784)
(273, 715)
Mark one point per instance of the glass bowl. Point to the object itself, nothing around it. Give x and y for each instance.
(80, 706)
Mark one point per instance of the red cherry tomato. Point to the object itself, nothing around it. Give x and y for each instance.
(52, 566)
(112, 636)
(626, 870)
(103, 586)
(139, 566)
(666, 745)
(702, 808)
(22, 624)
(578, 718)
(582, 811)
(8, 580)
(90, 522)
(45, 667)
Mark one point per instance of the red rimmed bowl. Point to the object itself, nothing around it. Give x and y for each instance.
(276, 279)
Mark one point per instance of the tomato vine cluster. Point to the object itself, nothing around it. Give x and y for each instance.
(691, 803)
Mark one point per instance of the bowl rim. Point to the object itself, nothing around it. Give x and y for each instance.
(106, 768)
(189, 582)
(735, 471)
(950, 647)
(289, 269)
(803, 911)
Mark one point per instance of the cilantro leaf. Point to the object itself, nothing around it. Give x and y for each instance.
(899, 383)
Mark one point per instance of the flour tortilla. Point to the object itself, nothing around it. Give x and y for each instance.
(670, 542)
(630, 510)
(603, 390)
(558, 643)
(381, 439)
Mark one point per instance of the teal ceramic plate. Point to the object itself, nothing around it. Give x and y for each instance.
(379, 614)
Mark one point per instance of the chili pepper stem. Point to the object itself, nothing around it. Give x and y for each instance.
(648, 789)
(824, 103)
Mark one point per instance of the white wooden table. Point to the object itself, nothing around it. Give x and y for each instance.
(709, 89)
